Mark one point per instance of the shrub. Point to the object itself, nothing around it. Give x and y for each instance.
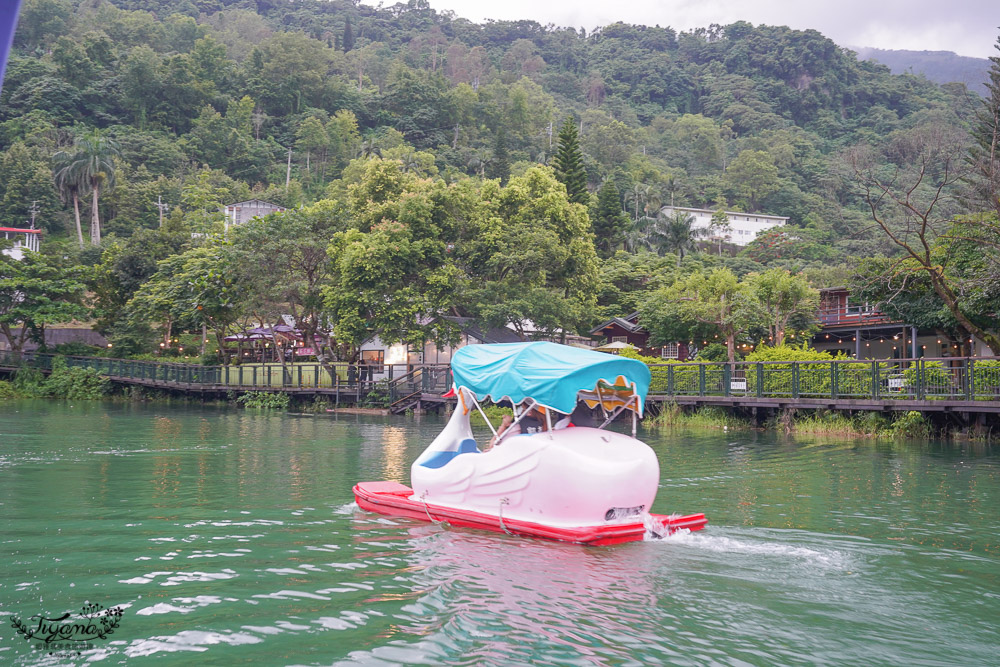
(986, 375)
(713, 352)
(75, 383)
(685, 377)
(264, 400)
(29, 382)
(378, 396)
(910, 425)
(937, 379)
(7, 390)
(814, 378)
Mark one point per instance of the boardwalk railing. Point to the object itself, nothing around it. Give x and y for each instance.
(381, 384)
(956, 378)
(952, 378)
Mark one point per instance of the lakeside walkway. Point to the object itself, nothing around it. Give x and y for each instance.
(968, 385)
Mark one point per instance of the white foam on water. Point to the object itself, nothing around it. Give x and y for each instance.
(188, 640)
(349, 508)
(827, 558)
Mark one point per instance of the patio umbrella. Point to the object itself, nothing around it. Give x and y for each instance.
(616, 346)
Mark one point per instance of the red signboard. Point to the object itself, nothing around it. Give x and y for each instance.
(304, 351)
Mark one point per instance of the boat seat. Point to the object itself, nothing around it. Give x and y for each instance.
(440, 459)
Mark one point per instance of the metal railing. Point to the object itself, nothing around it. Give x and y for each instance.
(377, 383)
(851, 315)
(954, 378)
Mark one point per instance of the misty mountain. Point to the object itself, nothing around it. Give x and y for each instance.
(938, 66)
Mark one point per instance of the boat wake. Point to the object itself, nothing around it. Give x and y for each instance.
(349, 508)
(743, 546)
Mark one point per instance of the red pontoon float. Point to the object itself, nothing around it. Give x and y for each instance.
(544, 479)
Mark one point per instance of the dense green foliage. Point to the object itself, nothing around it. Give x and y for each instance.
(508, 172)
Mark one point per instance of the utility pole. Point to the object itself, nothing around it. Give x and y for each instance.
(288, 172)
(550, 136)
(160, 204)
(34, 212)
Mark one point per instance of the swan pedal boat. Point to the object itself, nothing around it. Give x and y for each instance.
(573, 484)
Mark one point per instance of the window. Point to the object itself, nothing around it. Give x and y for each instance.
(374, 358)
(669, 351)
(619, 339)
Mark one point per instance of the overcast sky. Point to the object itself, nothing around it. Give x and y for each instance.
(967, 27)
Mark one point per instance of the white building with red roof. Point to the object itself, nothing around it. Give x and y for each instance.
(24, 239)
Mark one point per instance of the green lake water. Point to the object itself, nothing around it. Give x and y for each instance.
(231, 537)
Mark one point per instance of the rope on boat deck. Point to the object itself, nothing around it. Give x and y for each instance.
(504, 501)
(428, 511)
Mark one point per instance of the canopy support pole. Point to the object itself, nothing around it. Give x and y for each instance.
(635, 417)
(600, 399)
(485, 418)
(614, 414)
(524, 412)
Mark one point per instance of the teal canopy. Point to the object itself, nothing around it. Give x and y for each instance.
(555, 376)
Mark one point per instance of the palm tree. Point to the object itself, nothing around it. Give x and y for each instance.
(635, 235)
(671, 231)
(479, 161)
(69, 182)
(369, 148)
(90, 167)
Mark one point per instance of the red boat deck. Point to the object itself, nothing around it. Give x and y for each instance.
(393, 499)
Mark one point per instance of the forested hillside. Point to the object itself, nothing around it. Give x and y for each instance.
(369, 116)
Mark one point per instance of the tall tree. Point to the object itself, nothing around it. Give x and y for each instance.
(753, 176)
(788, 303)
(37, 291)
(671, 231)
(348, 42)
(984, 154)
(608, 220)
(527, 256)
(70, 183)
(909, 202)
(568, 163)
(701, 304)
(90, 167)
(499, 166)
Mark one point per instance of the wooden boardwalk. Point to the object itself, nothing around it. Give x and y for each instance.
(965, 386)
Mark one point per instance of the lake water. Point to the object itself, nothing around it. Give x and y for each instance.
(231, 537)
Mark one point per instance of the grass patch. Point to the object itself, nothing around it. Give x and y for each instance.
(901, 425)
(675, 416)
